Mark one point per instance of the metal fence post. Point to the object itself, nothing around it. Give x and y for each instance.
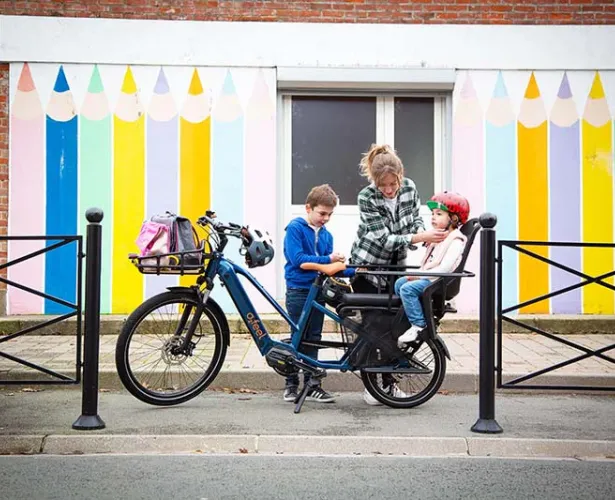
(89, 419)
(486, 422)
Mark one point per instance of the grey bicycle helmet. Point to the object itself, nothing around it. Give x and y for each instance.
(258, 247)
(333, 289)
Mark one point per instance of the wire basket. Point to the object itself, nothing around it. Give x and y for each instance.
(181, 263)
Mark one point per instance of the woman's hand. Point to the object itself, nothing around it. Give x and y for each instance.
(430, 236)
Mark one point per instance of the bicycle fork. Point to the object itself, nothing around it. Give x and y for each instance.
(181, 331)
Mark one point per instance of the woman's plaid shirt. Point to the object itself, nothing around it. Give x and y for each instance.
(381, 233)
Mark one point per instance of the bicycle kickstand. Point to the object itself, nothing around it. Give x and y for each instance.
(311, 383)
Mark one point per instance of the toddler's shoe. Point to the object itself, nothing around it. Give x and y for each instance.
(410, 335)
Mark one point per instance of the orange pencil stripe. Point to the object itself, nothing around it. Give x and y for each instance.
(533, 198)
(195, 156)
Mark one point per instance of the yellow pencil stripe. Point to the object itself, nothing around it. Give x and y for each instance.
(597, 213)
(195, 168)
(128, 211)
(533, 214)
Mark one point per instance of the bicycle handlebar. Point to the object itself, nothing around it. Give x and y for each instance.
(228, 229)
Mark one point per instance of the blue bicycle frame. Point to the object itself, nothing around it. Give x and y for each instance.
(229, 273)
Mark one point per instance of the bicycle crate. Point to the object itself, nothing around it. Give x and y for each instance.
(181, 263)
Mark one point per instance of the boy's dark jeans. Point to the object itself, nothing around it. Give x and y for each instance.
(295, 300)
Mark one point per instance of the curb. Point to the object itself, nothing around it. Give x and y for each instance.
(306, 445)
(266, 380)
(557, 324)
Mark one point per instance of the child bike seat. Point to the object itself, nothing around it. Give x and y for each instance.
(371, 300)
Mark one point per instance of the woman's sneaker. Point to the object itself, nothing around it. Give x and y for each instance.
(396, 392)
(319, 395)
(393, 390)
(290, 393)
(369, 399)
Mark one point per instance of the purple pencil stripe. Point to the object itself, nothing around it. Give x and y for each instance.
(162, 159)
(565, 213)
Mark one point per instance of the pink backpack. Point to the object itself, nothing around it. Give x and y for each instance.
(154, 239)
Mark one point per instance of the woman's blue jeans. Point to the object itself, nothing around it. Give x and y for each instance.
(410, 293)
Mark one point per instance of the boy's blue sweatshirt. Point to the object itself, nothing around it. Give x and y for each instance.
(299, 247)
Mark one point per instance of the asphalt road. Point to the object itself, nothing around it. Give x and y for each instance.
(201, 477)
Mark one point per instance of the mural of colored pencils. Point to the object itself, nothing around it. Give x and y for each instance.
(468, 177)
(227, 192)
(162, 165)
(597, 197)
(565, 191)
(128, 194)
(501, 181)
(533, 197)
(61, 194)
(260, 171)
(26, 194)
(195, 155)
(95, 173)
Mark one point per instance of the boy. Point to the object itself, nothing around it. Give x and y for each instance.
(307, 240)
(449, 211)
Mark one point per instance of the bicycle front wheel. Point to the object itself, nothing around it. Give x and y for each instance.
(159, 360)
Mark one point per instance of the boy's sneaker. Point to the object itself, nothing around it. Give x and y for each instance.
(319, 395)
(410, 335)
(290, 394)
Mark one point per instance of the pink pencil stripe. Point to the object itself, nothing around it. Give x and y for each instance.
(468, 179)
(26, 211)
(260, 178)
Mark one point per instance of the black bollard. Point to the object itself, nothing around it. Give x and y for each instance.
(486, 422)
(89, 419)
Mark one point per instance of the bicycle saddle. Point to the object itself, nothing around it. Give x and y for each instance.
(328, 269)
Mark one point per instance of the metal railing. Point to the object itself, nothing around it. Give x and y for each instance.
(74, 310)
(502, 315)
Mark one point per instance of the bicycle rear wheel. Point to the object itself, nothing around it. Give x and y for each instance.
(153, 361)
(407, 390)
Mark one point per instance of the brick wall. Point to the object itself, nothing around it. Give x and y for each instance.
(372, 11)
(351, 11)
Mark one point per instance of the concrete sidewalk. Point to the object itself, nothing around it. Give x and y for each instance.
(246, 368)
(243, 412)
(556, 426)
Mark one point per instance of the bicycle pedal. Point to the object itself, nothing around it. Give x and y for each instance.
(279, 355)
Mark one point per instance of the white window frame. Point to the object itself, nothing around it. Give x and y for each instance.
(385, 133)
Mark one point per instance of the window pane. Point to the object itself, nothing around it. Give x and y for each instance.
(414, 141)
(329, 135)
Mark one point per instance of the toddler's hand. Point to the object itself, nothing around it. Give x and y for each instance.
(412, 278)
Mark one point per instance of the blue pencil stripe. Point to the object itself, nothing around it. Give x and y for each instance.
(61, 212)
(501, 196)
(227, 187)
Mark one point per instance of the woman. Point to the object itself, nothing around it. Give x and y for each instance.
(390, 225)
(390, 221)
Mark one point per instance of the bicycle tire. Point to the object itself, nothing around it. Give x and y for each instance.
(129, 371)
(396, 396)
